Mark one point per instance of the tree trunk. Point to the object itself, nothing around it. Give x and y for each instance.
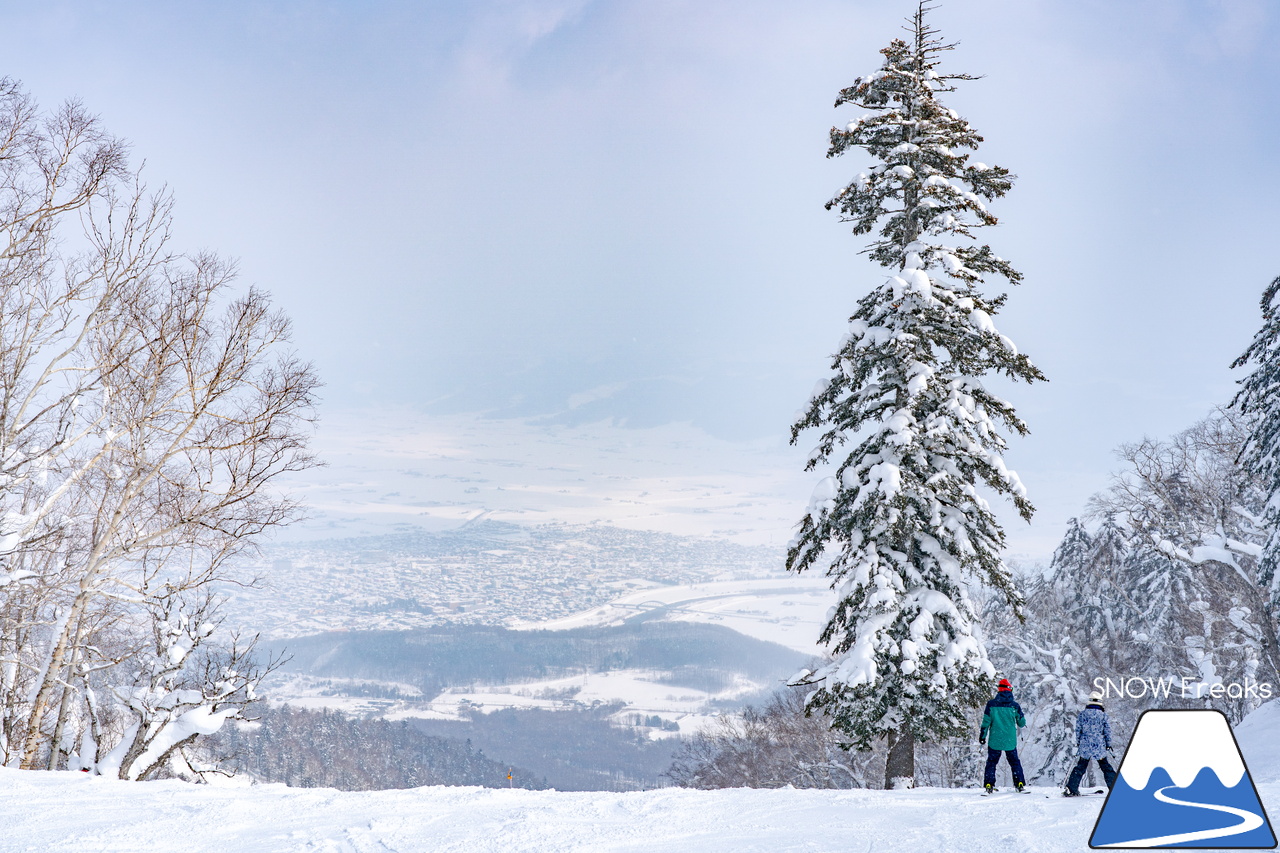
(900, 766)
(55, 745)
(44, 696)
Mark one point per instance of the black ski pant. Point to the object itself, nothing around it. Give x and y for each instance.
(1108, 773)
(993, 758)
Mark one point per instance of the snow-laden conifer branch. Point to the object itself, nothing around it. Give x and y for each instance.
(1259, 400)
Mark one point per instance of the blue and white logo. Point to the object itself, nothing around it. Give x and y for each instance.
(1183, 783)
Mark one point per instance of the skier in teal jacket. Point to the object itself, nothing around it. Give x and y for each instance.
(1000, 723)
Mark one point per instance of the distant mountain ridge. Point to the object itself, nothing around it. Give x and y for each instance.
(437, 658)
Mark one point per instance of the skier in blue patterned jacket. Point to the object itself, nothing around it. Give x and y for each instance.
(1002, 718)
(1093, 743)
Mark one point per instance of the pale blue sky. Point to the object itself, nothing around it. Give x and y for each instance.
(614, 209)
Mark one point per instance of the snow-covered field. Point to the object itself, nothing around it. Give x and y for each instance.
(69, 812)
(786, 610)
(1259, 738)
(641, 692)
(404, 468)
(390, 469)
(73, 812)
(789, 611)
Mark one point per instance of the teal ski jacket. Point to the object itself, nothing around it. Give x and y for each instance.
(1001, 721)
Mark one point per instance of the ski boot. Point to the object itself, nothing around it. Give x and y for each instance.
(1067, 793)
(987, 789)
(1021, 786)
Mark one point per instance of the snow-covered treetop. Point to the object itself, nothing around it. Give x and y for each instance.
(1259, 392)
(924, 183)
(1259, 401)
(1073, 550)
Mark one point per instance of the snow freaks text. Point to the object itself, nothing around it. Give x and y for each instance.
(1139, 687)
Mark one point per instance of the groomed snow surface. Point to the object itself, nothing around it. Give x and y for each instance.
(41, 811)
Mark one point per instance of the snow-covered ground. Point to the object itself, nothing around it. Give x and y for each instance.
(342, 694)
(640, 690)
(789, 611)
(42, 811)
(70, 812)
(1258, 736)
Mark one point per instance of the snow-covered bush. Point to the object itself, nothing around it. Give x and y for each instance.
(772, 747)
(780, 744)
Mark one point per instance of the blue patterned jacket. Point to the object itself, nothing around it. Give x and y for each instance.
(1093, 732)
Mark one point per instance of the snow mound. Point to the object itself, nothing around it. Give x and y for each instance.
(1259, 737)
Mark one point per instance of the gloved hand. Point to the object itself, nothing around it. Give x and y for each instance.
(982, 738)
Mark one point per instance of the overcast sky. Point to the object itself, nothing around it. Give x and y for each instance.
(591, 210)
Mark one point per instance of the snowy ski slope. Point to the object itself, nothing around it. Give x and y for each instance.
(72, 812)
(51, 812)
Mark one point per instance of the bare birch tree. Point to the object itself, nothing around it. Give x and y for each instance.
(145, 412)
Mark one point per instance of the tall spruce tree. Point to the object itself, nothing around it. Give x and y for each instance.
(1096, 595)
(901, 527)
(1073, 551)
(1259, 400)
(1070, 560)
(1164, 587)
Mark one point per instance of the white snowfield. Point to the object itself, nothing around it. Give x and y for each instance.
(638, 689)
(41, 811)
(1259, 737)
(789, 611)
(46, 812)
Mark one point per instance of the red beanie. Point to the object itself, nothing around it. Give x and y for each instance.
(1005, 685)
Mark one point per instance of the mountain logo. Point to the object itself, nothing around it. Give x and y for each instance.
(1183, 783)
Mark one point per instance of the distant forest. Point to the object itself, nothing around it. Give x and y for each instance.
(571, 750)
(324, 749)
